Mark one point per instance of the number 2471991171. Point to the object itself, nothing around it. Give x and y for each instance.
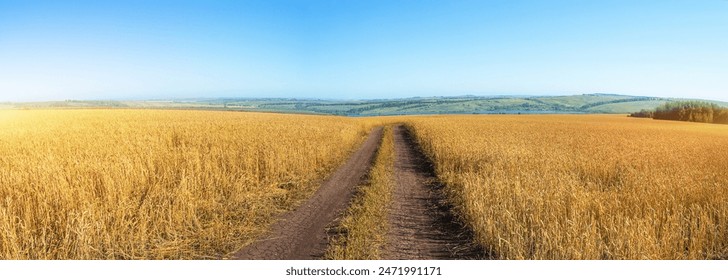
(410, 270)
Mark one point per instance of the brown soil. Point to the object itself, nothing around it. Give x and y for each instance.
(421, 222)
(301, 234)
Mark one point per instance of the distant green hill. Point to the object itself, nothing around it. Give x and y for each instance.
(569, 104)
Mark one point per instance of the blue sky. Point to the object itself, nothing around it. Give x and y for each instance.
(56, 50)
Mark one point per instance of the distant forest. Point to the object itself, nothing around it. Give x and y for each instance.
(690, 111)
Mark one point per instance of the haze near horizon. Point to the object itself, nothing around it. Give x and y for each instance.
(57, 50)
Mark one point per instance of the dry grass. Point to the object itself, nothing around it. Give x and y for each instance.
(364, 227)
(585, 187)
(136, 184)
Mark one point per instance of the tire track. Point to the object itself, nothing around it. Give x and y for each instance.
(301, 234)
(421, 222)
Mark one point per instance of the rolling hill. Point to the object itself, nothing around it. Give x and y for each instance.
(568, 104)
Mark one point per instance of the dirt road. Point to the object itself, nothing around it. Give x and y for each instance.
(421, 224)
(301, 234)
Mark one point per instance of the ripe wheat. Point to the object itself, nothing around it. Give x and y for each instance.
(144, 184)
(585, 187)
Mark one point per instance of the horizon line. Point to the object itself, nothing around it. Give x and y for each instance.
(199, 98)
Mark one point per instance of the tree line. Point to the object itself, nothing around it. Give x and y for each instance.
(690, 111)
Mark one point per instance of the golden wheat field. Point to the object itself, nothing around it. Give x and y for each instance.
(173, 184)
(584, 187)
(144, 184)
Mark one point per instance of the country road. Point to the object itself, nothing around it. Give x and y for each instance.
(421, 224)
(301, 234)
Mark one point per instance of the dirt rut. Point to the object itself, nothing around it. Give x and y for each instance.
(301, 234)
(421, 223)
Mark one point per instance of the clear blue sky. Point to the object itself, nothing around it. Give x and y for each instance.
(55, 50)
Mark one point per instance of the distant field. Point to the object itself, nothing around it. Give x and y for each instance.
(571, 104)
(635, 106)
(144, 184)
(584, 187)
